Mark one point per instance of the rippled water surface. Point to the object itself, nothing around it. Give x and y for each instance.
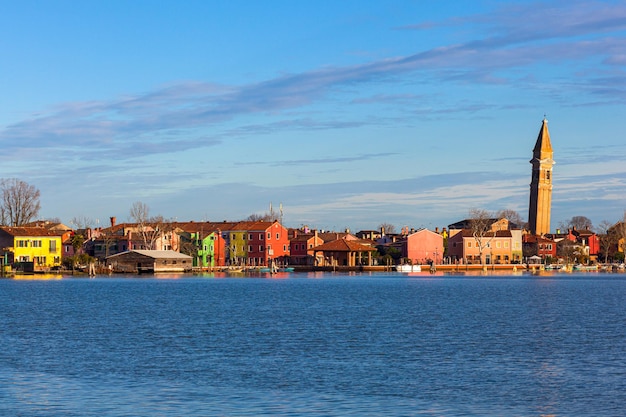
(314, 345)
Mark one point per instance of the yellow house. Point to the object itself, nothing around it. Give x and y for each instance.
(238, 248)
(35, 245)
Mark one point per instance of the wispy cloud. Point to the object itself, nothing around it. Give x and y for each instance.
(175, 116)
(319, 161)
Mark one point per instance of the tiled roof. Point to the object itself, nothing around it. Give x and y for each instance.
(343, 245)
(156, 254)
(499, 233)
(536, 239)
(28, 231)
(330, 236)
(303, 237)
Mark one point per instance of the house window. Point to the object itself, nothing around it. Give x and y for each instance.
(250, 236)
(506, 244)
(498, 244)
(250, 248)
(261, 236)
(469, 244)
(284, 248)
(36, 243)
(277, 236)
(549, 246)
(53, 246)
(548, 175)
(269, 235)
(260, 248)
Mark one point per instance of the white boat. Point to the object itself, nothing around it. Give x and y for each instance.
(580, 267)
(408, 268)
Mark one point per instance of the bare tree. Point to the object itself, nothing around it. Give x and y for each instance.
(266, 217)
(621, 234)
(82, 222)
(607, 238)
(388, 228)
(81, 234)
(150, 229)
(139, 212)
(512, 216)
(163, 228)
(569, 251)
(578, 223)
(269, 216)
(480, 222)
(20, 202)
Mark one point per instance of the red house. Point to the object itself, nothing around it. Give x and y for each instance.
(259, 243)
(301, 247)
(539, 246)
(589, 240)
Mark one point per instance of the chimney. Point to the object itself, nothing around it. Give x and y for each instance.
(113, 221)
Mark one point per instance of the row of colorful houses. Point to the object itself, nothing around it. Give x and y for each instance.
(44, 245)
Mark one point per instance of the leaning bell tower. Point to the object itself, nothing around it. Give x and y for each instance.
(541, 183)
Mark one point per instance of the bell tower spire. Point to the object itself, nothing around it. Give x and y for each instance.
(541, 183)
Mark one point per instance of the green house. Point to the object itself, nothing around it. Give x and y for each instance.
(201, 247)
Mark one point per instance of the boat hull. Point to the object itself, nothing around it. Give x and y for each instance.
(408, 268)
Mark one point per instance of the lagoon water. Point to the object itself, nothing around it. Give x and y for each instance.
(314, 345)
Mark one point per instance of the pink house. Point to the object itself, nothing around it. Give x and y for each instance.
(423, 246)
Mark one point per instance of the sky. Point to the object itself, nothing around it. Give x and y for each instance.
(347, 114)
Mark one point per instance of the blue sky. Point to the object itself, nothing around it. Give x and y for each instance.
(349, 113)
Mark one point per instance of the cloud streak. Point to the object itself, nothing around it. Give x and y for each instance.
(174, 116)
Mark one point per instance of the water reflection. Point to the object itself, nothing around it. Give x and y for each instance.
(37, 277)
(315, 344)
